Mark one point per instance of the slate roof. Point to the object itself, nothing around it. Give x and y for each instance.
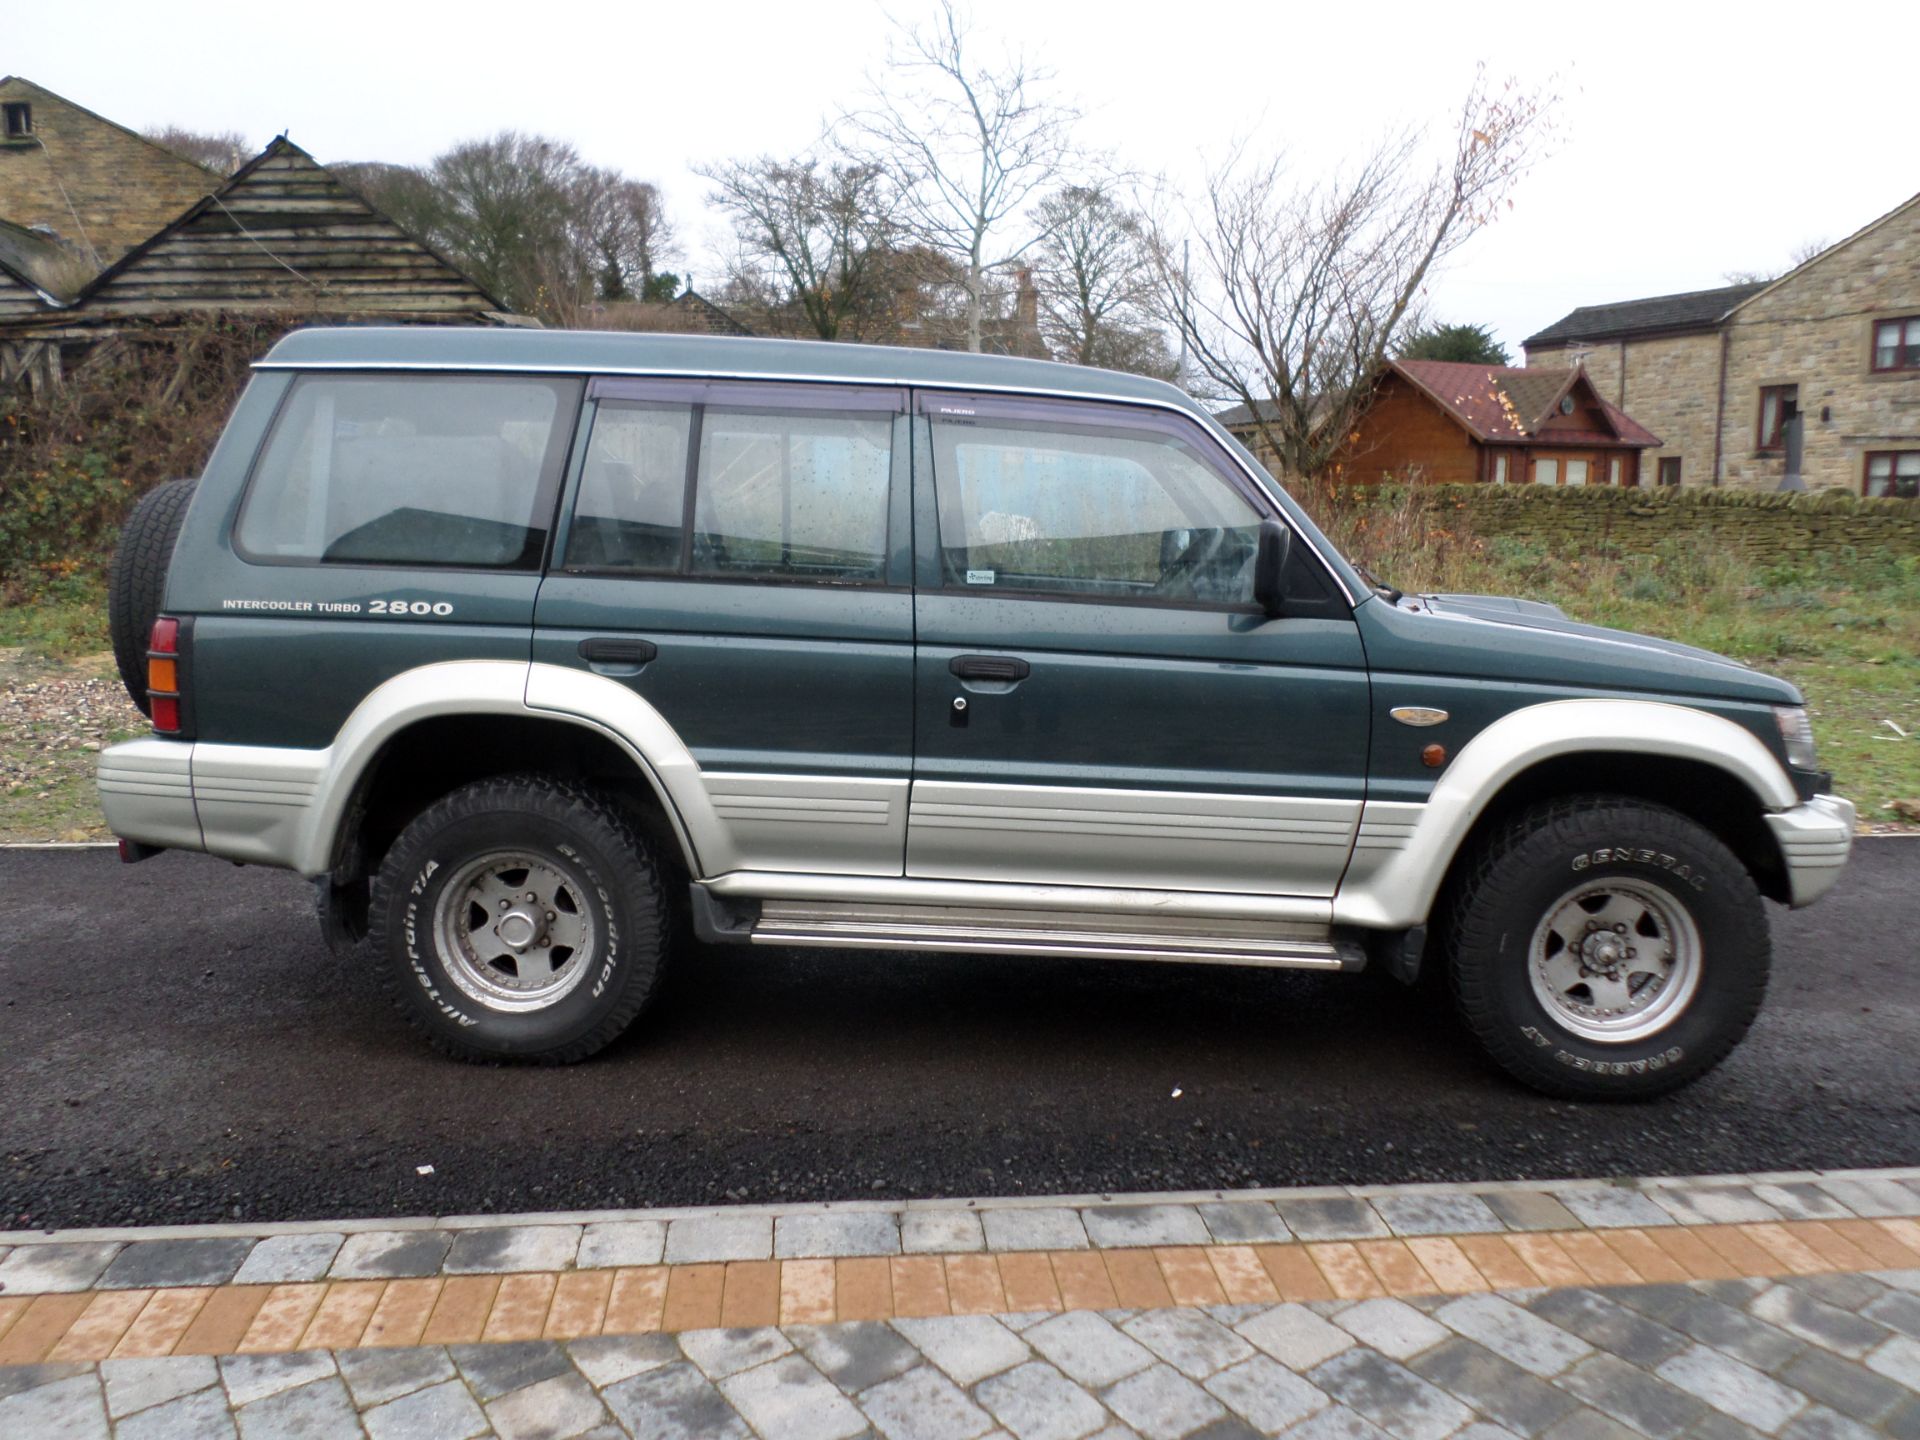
(1503, 404)
(1690, 310)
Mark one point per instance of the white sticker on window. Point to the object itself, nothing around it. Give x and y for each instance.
(980, 577)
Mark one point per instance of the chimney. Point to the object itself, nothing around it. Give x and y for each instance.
(1026, 302)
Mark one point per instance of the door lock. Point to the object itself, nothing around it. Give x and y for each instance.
(959, 716)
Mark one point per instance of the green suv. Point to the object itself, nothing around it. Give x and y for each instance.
(535, 648)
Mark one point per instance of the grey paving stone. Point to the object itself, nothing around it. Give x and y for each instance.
(390, 1254)
(1898, 1359)
(562, 1408)
(493, 1370)
(1089, 1348)
(1244, 1222)
(1162, 1404)
(322, 1408)
(1113, 1226)
(1721, 1426)
(1894, 1309)
(720, 1353)
(136, 1384)
(1763, 1346)
(923, 1404)
(174, 1262)
(1632, 1396)
(201, 1416)
(1817, 1422)
(288, 1259)
(855, 1355)
(254, 1377)
(1612, 1207)
(821, 1236)
(1873, 1197)
(1192, 1342)
(69, 1408)
(376, 1376)
(1662, 1302)
(719, 1237)
(674, 1402)
(1530, 1210)
(940, 1232)
(1712, 1204)
(1802, 1200)
(1036, 1402)
(507, 1248)
(968, 1347)
(1295, 1336)
(1585, 1424)
(608, 1359)
(1522, 1337)
(1613, 1327)
(1904, 1423)
(1227, 1427)
(1849, 1388)
(1907, 1280)
(1390, 1395)
(1336, 1422)
(1732, 1292)
(1849, 1292)
(1494, 1386)
(1333, 1219)
(1731, 1387)
(1391, 1327)
(16, 1378)
(1437, 1214)
(1270, 1396)
(622, 1242)
(1815, 1321)
(1042, 1228)
(53, 1269)
(789, 1398)
(441, 1412)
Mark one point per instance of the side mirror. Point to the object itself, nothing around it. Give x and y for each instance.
(1270, 566)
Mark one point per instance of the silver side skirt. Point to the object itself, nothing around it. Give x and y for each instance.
(1188, 939)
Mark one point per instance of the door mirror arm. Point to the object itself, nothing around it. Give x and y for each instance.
(1270, 566)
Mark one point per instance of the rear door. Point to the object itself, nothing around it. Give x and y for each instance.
(738, 556)
(1098, 700)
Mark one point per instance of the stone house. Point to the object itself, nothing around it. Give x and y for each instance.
(1809, 381)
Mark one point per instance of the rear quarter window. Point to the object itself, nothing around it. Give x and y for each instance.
(410, 470)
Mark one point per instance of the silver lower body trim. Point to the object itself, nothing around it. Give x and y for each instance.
(1815, 840)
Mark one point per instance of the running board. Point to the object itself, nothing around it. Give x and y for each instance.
(1179, 939)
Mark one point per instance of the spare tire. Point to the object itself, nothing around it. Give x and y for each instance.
(138, 583)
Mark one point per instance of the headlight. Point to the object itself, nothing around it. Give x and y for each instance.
(1797, 731)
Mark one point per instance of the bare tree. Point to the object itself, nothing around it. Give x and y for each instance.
(1301, 287)
(222, 152)
(811, 234)
(623, 225)
(1096, 283)
(974, 144)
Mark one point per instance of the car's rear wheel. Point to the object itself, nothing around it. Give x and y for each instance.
(520, 918)
(1607, 949)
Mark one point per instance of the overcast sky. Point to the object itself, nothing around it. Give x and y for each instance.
(1696, 139)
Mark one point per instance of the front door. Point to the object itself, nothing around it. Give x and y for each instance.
(738, 556)
(1097, 699)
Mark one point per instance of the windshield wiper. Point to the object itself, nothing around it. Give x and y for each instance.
(1393, 593)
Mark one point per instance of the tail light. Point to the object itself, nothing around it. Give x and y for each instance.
(163, 676)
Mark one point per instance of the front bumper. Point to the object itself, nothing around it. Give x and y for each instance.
(1814, 840)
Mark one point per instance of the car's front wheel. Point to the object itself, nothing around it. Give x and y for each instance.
(520, 918)
(1607, 949)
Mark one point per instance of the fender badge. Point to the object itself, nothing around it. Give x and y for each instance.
(1417, 715)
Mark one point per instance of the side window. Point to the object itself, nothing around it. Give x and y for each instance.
(1122, 514)
(633, 489)
(410, 470)
(795, 494)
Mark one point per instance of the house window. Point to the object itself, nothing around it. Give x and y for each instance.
(1546, 472)
(1499, 469)
(1893, 473)
(19, 119)
(1614, 468)
(1576, 472)
(1669, 469)
(1896, 343)
(1778, 405)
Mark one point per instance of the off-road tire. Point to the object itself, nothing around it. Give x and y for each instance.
(1515, 880)
(584, 832)
(137, 584)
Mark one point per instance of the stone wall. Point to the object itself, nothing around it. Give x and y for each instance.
(1764, 528)
(1670, 384)
(1815, 330)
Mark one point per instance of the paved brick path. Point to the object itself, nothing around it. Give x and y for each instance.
(1684, 1310)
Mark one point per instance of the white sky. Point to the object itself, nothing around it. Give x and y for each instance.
(1696, 138)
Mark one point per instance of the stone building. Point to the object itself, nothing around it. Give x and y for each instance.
(1808, 381)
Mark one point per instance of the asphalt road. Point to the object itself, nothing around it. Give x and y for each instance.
(176, 1045)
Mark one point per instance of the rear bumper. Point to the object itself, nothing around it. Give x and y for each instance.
(146, 793)
(1815, 839)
